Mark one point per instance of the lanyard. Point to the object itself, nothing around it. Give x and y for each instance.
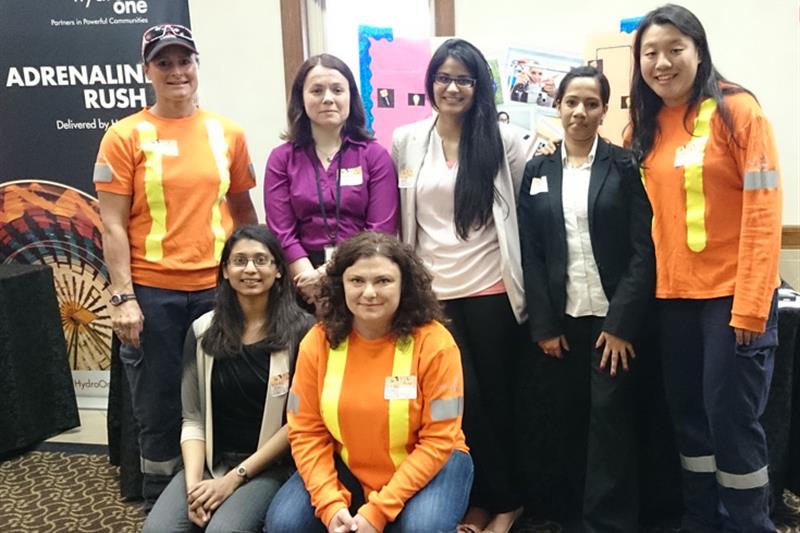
(331, 234)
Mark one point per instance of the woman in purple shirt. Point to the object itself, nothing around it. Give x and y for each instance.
(330, 180)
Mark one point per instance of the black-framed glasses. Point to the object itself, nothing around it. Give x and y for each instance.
(159, 32)
(259, 260)
(461, 81)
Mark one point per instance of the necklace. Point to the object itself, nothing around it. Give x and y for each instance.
(327, 157)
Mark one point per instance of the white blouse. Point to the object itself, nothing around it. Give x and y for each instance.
(585, 295)
(460, 268)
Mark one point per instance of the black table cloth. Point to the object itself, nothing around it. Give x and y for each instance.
(37, 397)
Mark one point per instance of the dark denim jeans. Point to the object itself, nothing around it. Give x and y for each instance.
(154, 374)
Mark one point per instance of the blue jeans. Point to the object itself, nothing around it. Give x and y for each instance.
(154, 374)
(436, 508)
(242, 511)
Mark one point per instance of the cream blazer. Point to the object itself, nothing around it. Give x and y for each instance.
(198, 419)
(409, 150)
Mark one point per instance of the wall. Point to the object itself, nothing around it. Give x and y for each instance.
(755, 43)
(241, 72)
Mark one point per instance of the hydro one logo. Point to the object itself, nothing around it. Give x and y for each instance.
(120, 7)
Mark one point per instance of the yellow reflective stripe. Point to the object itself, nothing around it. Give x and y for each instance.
(693, 179)
(154, 191)
(219, 147)
(398, 409)
(331, 390)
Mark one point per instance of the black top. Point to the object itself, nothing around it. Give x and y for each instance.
(619, 228)
(238, 389)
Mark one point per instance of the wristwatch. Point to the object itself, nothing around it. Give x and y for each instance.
(120, 298)
(241, 471)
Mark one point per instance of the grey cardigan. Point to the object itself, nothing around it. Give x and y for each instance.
(198, 422)
(409, 150)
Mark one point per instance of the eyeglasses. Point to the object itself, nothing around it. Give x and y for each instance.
(259, 260)
(444, 79)
(159, 32)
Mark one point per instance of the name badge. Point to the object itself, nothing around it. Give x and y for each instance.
(400, 388)
(279, 384)
(405, 178)
(351, 176)
(167, 147)
(329, 249)
(691, 154)
(538, 185)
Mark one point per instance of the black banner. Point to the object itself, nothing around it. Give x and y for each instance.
(69, 69)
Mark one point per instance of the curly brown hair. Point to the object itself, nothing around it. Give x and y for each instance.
(418, 303)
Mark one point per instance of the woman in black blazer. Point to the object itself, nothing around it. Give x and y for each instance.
(589, 272)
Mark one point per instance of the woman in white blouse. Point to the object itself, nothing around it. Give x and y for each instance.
(589, 267)
(459, 175)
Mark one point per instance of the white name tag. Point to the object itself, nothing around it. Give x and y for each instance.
(538, 185)
(329, 252)
(279, 384)
(400, 388)
(351, 176)
(691, 154)
(167, 147)
(405, 178)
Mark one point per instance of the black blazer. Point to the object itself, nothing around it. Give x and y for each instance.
(619, 223)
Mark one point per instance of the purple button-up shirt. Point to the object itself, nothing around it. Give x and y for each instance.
(369, 202)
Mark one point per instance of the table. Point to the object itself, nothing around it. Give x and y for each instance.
(36, 389)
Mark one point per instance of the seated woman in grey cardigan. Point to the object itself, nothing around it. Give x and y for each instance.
(237, 367)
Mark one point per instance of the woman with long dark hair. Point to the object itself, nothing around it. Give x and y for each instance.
(709, 164)
(330, 180)
(459, 177)
(588, 261)
(238, 362)
(375, 406)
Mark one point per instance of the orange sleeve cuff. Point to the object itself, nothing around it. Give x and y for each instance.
(327, 513)
(373, 515)
(748, 322)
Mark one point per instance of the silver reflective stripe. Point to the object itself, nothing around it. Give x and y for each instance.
(761, 179)
(753, 480)
(703, 464)
(164, 468)
(102, 173)
(446, 409)
(252, 171)
(293, 403)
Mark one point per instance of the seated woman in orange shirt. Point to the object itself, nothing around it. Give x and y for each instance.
(375, 406)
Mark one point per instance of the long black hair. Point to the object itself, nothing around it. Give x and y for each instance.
(299, 125)
(708, 82)
(481, 151)
(284, 319)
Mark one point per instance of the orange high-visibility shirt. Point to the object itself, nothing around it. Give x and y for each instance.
(434, 421)
(177, 173)
(741, 187)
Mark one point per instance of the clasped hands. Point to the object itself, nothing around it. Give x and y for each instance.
(308, 283)
(204, 497)
(343, 522)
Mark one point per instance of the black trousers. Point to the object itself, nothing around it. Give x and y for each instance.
(491, 343)
(583, 441)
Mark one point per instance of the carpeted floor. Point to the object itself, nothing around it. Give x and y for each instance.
(64, 492)
(61, 489)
